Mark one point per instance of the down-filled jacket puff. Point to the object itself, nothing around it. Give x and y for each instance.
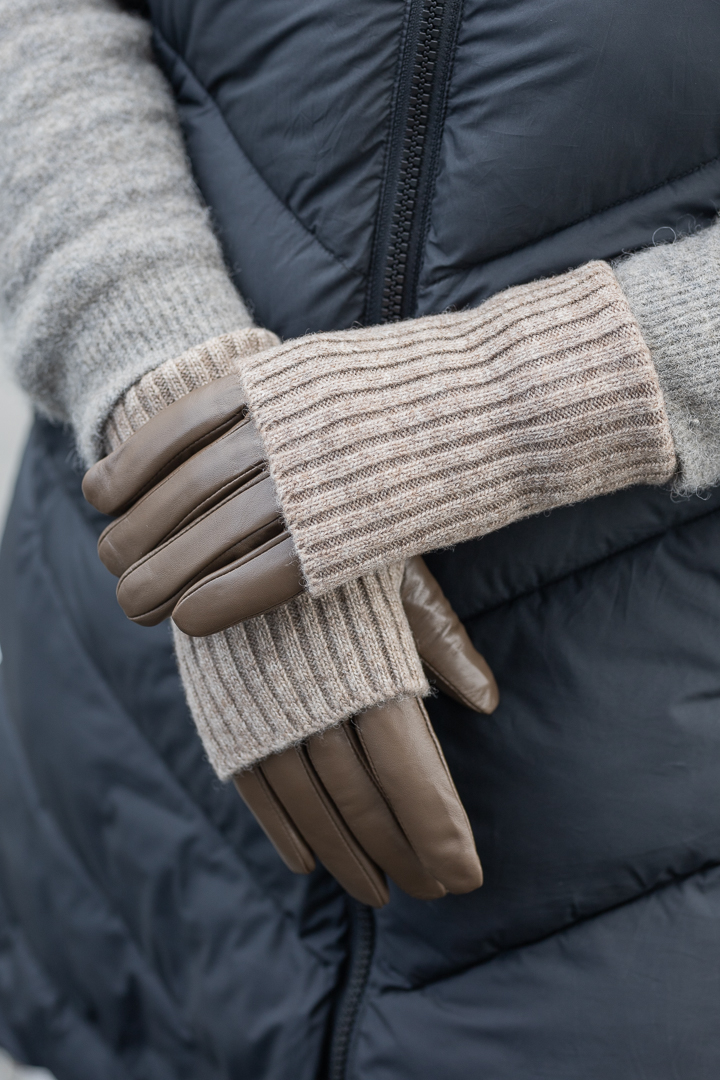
(147, 930)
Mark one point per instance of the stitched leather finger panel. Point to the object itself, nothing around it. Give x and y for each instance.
(273, 818)
(340, 764)
(163, 443)
(448, 654)
(410, 769)
(268, 576)
(186, 494)
(244, 550)
(209, 540)
(293, 779)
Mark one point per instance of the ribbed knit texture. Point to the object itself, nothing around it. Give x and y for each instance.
(177, 377)
(108, 263)
(260, 687)
(389, 441)
(674, 293)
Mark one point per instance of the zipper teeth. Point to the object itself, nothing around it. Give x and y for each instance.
(411, 159)
(363, 942)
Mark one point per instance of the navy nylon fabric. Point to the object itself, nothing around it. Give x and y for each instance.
(560, 114)
(592, 949)
(145, 917)
(631, 995)
(572, 132)
(298, 239)
(147, 930)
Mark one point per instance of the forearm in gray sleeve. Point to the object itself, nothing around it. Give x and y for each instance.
(108, 263)
(674, 293)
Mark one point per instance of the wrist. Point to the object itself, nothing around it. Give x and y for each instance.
(394, 440)
(173, 379)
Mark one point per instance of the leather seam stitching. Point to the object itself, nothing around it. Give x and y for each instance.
(321, 791)
(279, 817)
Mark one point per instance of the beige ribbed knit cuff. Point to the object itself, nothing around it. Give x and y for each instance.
(394, 440)
(173, 379)
(258, 688)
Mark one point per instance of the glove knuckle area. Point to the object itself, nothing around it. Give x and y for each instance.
(186, 494)
(222, 534)
(161, 444)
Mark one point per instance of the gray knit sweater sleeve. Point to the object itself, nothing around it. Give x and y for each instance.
(108, 264)
(674, 293)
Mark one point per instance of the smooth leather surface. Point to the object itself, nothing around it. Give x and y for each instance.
(257, 582)
(175, 563)
(343, 768)
(275, 821)
(410, 769)
(298, 787)
(203, 481)
(161, 444)
(371, 797)
(201, 537)
(448, 655)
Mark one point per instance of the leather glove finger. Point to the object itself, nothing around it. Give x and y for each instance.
(340, 762)
(200, 516)
(295, 784)
(448, 655)
(274, 820)
(202, 482)
(365, 806)
(410, 770)
(221, 551)
(163, 443)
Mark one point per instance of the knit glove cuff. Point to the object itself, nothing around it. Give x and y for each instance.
(258, 688)
(390, 441)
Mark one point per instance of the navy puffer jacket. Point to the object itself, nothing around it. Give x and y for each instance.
(392, 159)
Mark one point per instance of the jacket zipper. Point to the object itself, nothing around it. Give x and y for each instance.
(362, 944)
(416, 129)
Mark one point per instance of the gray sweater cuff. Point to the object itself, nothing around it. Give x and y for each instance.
(674, 293)
(108, 263)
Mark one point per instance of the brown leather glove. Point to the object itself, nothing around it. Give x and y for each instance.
(200, 535)
(371, 797)
(374, 796)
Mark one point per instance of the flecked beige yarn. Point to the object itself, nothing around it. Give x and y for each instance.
(396, 440)
(260, 687)
(393, 440)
